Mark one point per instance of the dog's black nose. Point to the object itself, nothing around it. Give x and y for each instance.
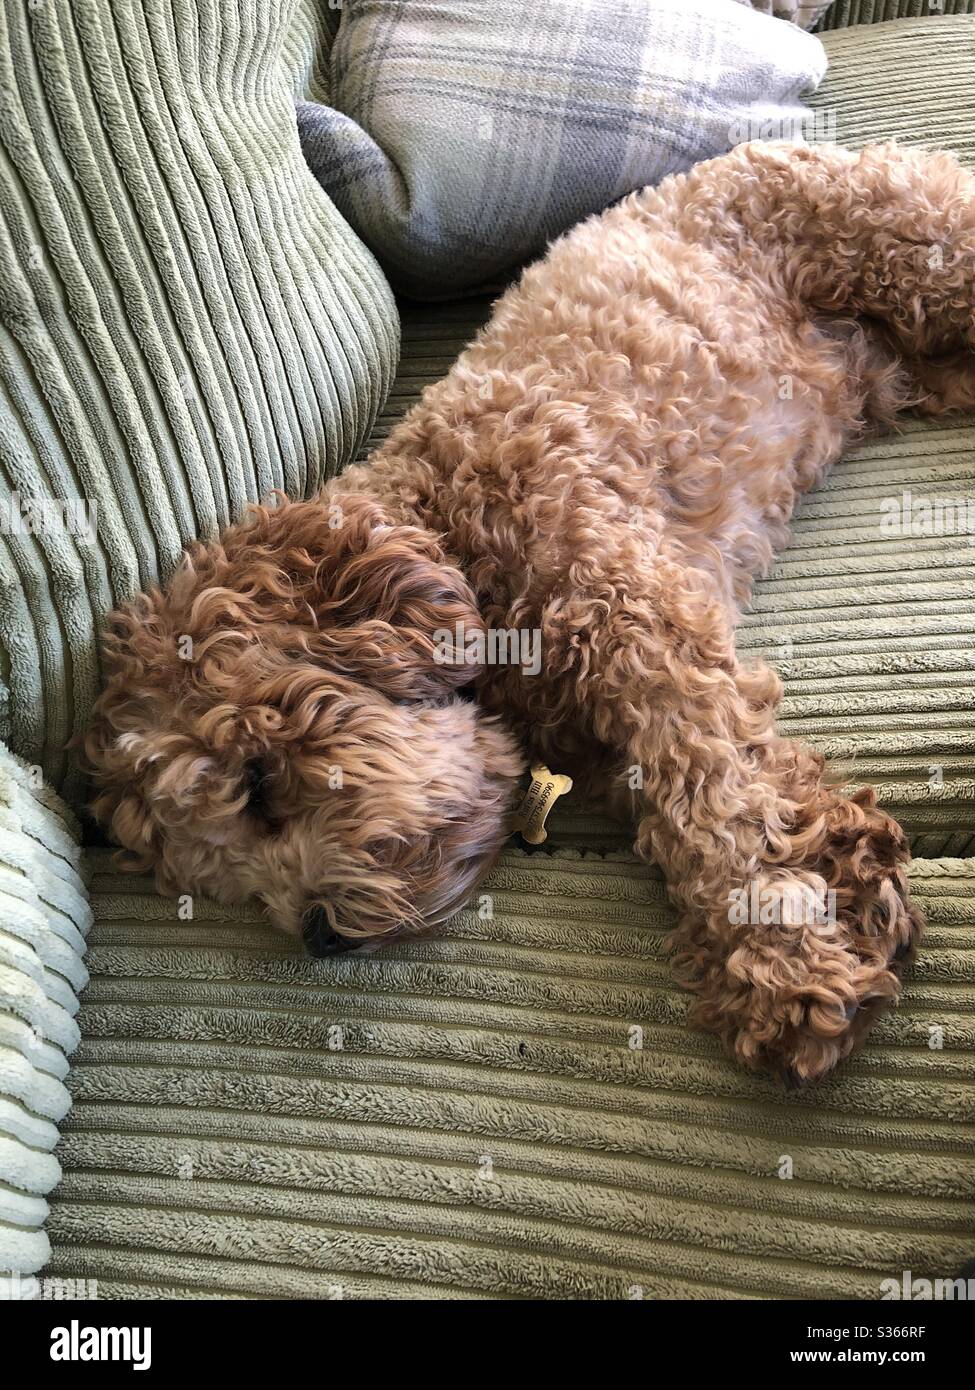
(319, 938)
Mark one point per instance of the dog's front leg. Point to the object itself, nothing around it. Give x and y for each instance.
(794, 913)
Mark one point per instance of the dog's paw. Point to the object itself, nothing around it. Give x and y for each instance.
(795, 986)
(800, 1028)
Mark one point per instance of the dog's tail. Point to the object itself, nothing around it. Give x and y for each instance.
(887, 232)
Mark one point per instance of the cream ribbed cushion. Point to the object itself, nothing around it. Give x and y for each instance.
(44, 916)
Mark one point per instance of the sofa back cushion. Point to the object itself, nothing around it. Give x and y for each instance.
(185, 320)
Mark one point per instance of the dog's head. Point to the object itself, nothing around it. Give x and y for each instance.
(284, 722)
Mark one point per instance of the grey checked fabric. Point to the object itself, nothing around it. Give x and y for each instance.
(465, 134)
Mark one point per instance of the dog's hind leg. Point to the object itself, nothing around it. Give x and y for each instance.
(793, 898)
(887, 232)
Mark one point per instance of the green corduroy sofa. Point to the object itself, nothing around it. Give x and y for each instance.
(515, 1107)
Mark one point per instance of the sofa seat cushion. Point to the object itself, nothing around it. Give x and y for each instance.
(515, 1107)
(909, 79)
(185, 320)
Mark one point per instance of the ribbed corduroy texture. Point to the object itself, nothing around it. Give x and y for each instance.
(44, 917)
(481, 1114)
(185, 321)
(306, 47)
(874, 637)
(912, 80)
(844, 14)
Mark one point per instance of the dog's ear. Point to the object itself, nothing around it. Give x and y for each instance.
(393, 611)
(139, 664)
(376, 600)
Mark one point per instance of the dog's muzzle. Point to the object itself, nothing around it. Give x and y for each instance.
(319, 938)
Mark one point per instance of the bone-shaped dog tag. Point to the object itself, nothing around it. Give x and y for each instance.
(546, 788)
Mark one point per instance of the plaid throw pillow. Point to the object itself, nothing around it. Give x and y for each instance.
(464, 135)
